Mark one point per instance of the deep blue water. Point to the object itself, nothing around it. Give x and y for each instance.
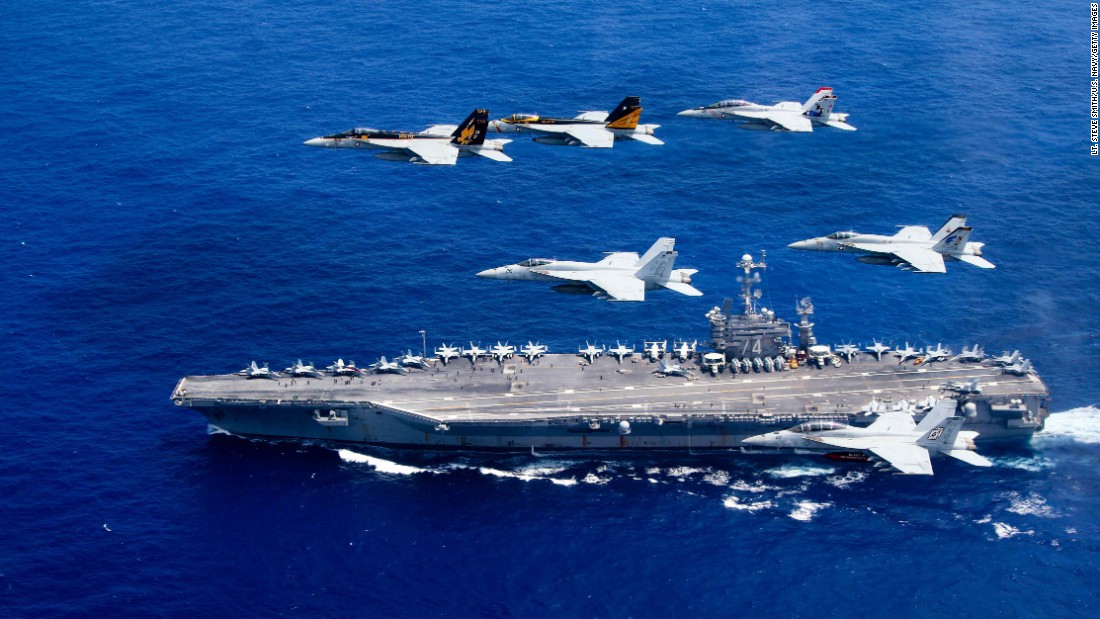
(158, 216)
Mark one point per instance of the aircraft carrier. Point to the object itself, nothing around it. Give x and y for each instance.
(753, 379)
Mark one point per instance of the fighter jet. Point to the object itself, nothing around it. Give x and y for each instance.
(847, 351)
(939, 353)
(877, 349)
(1020, 368)
(1007, 358)
(971, 355)
(620, 352)
(654, 350)
(301, 369)
(907, 353)
(683, 350)
(531, 351)
(783, 116)
(892, 437)
(969, 387)
(339, 368)
(387, 367)
(620, 276)
(474, 352)
(590, 352)
(912, 248)
(255, 371)
(446, 352)
(409, 360)
(500, 352)
(671, 369)
(436, 145)
(590, 129)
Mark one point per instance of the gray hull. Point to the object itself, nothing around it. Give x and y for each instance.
(560, 404)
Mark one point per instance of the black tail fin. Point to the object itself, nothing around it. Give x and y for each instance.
(626, 115)
(472, 130)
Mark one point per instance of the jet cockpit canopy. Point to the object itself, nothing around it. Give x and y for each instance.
(816, 426)
(728, 103)
(535, 262)
(836, 236)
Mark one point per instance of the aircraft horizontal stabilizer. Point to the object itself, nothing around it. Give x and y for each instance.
(967, 456)
(495, 155)
(977, 261)
(836, 124)
(642, 137)
(683, 288)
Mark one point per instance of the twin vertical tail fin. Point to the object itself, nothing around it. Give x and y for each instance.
(820, 105)
(952, 224)
(657, 263)
(626, 115)
(955, 242)
(472, 130)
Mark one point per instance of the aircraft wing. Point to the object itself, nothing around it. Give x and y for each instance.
(592, 136)
(893, 423)
(617, 287)
(788, 120)
(909, 459)
(923, 260)
(619, 259)
(435, 152)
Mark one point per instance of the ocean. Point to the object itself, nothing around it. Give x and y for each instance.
(160, 217)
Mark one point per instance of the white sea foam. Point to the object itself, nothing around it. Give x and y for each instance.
(850, 478)
(734, 502)
(1006, 531)
(595, 479)
(212, 429)
(717, 478)
(807, 509)
(1034, 465)
(683, 472)
(526, 475)
(1080, 425)
(380, 465)
(788, 471)
(1031, 505)
(756, 487)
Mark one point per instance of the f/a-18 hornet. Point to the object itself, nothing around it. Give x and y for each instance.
(912, 248)
(893, 437)
(621, 276)
(783, 116)
(436, 145)
(589, 129)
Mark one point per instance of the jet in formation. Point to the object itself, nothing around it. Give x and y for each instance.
(912, 248)
(783, 116)
(620, 276)
(436, 145)
(589, 129)
(893, 438)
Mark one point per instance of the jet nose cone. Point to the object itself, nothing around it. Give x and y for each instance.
(753, 440)
(807, 244)
(691, 112)
(317, 142)
(490, 273)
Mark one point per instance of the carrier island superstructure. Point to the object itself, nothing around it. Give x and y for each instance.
(754, 378)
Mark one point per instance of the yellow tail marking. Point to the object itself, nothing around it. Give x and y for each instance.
(630, 121)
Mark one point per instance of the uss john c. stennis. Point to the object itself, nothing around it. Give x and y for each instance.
(753, 380)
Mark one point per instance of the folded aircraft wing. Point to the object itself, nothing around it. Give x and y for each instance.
(435, 152)
(909, 459)
(791, 121)
(617, 287)
(592, 136)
